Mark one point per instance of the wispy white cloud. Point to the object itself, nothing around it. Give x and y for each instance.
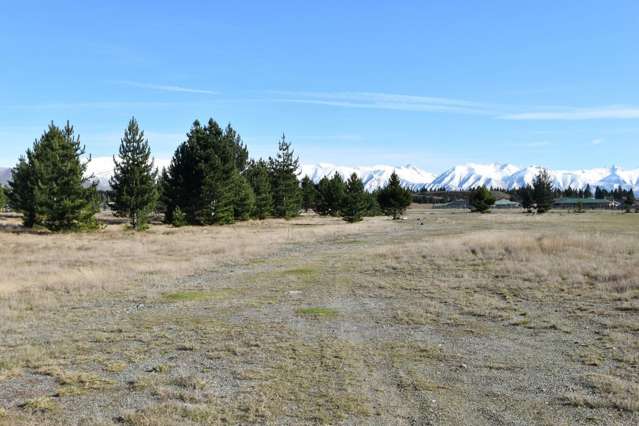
(166, 87)
(88, 105)
(597, 141)
(609, 112)
(388, 101)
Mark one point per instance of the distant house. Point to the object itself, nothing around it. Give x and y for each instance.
(585, 203)
(456, 204)
(506, 204)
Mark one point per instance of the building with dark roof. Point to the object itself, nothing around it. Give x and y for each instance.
(584, 203)
(506, 204)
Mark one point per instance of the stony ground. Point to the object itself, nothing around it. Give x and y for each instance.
(442, 318)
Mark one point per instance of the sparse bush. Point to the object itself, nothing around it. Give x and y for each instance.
(3, 198)
(179, 218)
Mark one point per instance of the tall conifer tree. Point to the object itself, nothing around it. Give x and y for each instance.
(22, 189)
(134, 181)
(201, 179)
(244, 202)
(354, 202)
(525, 195)
(481, 199)
(50, 187)
(629, 201)
(543, 191)
(284, 184)
(393, 198)
(258, 176)
(309, 194)
(330, 195)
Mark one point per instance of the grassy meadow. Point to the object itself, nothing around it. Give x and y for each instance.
(445, 317)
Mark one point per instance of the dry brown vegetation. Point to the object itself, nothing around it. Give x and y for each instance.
(467, 319)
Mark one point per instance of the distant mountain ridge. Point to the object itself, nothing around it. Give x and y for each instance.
(373, 176)
(461, 177)
(508, 176)
(495, 175)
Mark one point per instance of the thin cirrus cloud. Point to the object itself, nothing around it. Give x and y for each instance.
(610, 112)
(166, 87)
(387, 101)
(87, 105)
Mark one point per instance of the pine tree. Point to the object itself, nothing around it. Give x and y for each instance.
(133, 183)
(49, 186)
(354, 202)
(201, 178)
(481, 200)
(22, 190)
(337, 191)
(543, 191)
(219, 192)
(322, 202)
(629, 201)
(162, 199)
(393, 199)
(258, 176)
(372, 205)
(525, 196)
(330, 195)
(588, 192)
(244, 202)
(284, 184)
(309, 194)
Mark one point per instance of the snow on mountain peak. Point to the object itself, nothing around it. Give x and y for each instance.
(373, 176)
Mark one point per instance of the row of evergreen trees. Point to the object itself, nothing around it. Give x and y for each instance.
(541, 194)
(210, 181)
(538, 196)
(336, 197)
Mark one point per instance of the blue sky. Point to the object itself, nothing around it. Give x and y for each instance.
(430, 83)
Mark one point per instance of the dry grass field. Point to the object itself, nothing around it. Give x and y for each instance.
(443, 318)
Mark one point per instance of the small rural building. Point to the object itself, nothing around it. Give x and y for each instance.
(585, 203)
(506, 204)
(457, 204)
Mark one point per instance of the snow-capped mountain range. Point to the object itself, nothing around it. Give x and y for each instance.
(508, 176)
(496, 175)
(461, 177)
(373, 176)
